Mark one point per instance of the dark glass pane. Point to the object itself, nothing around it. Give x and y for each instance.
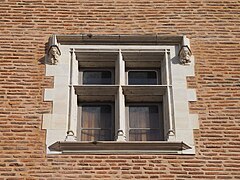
(96, 116)
(96, 135)
(144, 116)
(144, 135)
(97, 77)
(142, 77)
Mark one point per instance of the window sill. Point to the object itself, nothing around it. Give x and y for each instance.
(113, 147)
(96, 89)
(144, 89)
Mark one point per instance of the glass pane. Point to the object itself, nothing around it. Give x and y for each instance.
(97, 77)
(96, 116)
(144, 116)
(96, 135)
(144, 135)
(142, 77)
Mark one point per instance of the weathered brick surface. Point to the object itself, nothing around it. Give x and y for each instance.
(212, 26)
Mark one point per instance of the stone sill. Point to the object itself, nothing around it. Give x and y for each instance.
(112, 147)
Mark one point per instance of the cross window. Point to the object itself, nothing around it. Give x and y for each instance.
(120, 96)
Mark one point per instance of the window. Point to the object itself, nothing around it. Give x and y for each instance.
(143, 118)
(96, 122)
(119, 97)
(144, 77)
(97, 76)
(145, 122)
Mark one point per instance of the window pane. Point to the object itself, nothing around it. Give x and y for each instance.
(97, 77)
(96, 116)
(97, 123)
(96, 135)
(144, 135)
(144, 117)
(142, 77)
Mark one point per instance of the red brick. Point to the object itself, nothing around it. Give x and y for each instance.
(213, 28)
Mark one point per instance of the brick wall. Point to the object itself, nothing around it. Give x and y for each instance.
(212, 26)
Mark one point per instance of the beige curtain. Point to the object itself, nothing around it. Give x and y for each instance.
(144, 123)
(96, 123)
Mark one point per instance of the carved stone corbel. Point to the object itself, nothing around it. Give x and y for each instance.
(53, 51)
(185, 55)
(185, 52)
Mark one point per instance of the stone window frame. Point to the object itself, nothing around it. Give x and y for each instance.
(59, 130)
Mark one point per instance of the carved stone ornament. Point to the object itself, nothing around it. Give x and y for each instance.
(171, 135)
(53, 51)
(185, 55)
(70, 136)
(53, 54)
(120, 136)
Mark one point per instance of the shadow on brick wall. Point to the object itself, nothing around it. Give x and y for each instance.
(45, 59)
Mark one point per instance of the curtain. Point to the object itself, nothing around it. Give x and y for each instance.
(96, 123)
(144, 123)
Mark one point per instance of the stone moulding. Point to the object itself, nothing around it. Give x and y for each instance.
(127, 147)
(54, 52)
